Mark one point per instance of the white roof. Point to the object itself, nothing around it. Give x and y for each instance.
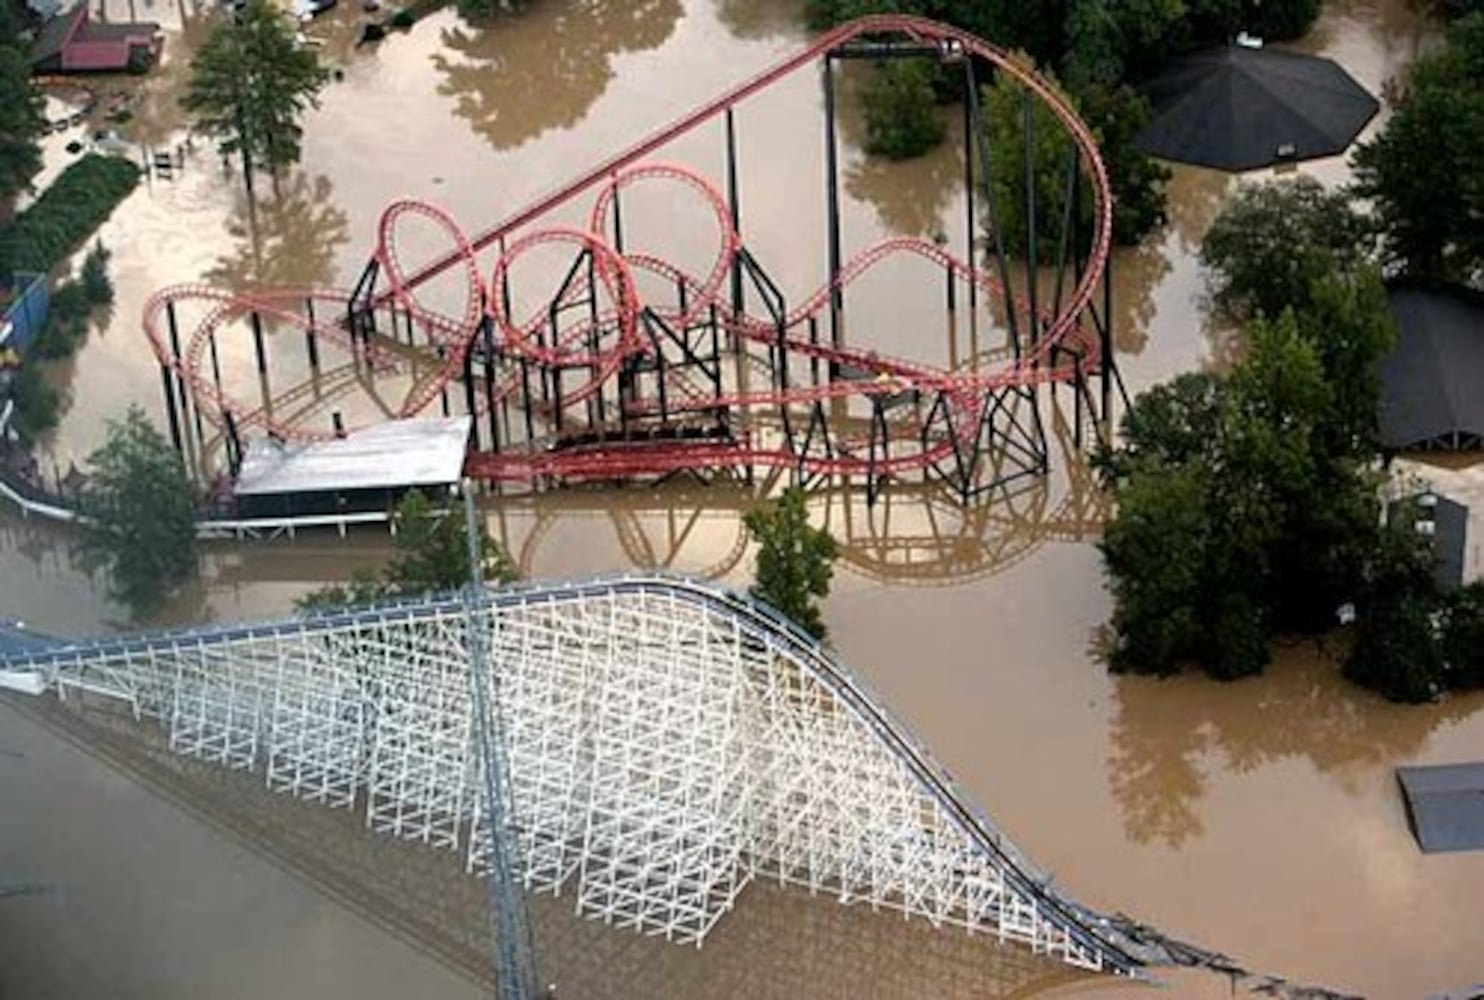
(420, 452)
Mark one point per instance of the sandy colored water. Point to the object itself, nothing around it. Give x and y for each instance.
(1260, 818)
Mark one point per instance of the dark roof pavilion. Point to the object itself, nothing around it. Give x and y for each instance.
(1239, 108)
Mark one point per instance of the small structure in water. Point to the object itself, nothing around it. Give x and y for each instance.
(1445, 523)
(1445, 805)
(367, 470)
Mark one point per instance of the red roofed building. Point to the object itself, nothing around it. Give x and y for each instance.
(72, 42)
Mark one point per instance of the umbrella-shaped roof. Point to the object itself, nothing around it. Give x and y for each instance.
(1240, 108)
(1432, 383)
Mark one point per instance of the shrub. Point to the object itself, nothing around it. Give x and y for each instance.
(794, 560)
(1274, 241)
(96, 285)
(66, 323)
(1463, 638)
(36, 402)
(66, 213)
(138, 514)
(902, 119)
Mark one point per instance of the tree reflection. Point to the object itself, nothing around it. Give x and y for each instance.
(527, 73)
(1193, 199)
(1154, 767)
(910, 197)
(1137, 272)
(289, 240)
(761, 18)
(1167, 733)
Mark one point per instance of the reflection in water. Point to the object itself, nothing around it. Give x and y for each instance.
(156, 113)
(1195, 196)
(287, 241)
(910, 196)
(1154, 763)
(544, 67)
(761, 18)
(40, 545)
(914, 534)
(1137, 272)
(1165, 732)
(778, 942)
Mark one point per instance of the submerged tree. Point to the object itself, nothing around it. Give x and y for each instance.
(1020, 127)
(433, 552)
(1273, 241)
(432, 557)
(902, 119)
(794, 560)
(138, 514)
(1425, 170)
(1209, 483)
(250, 85)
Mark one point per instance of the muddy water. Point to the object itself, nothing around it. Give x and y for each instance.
(152, 903)
(1261, 818)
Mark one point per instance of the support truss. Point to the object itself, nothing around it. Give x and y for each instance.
(668, 741)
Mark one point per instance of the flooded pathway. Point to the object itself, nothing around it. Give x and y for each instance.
(1261, 818)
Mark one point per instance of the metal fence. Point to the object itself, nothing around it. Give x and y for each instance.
(26, 313)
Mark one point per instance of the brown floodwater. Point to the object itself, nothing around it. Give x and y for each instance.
(1260, 818)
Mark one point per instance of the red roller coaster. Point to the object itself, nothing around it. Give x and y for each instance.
(639, 366)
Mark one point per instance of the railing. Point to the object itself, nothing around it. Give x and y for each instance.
(33, 498)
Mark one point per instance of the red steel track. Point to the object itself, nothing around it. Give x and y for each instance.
(608, 344)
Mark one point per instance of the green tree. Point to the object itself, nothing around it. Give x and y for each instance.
(1156, 554)
(37, 403)
(138, 514)
(1458, 8)
(1396, 650)
(1295, 245)
(1281, 19)
(794, 560)
(1463, 637)
(1108, 41)
(1424, 172)
(1212, 485)
(1348, 319)
(901, 108)
(1116, 115)
(96, 284)
(432, 556)
(1273, 241)
(1010, 111)
(432, 550)
(21, 119)
(251, 83)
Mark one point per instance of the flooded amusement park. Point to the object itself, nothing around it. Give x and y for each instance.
(1260, 819)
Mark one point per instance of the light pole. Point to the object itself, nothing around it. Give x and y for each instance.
(514, 974)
